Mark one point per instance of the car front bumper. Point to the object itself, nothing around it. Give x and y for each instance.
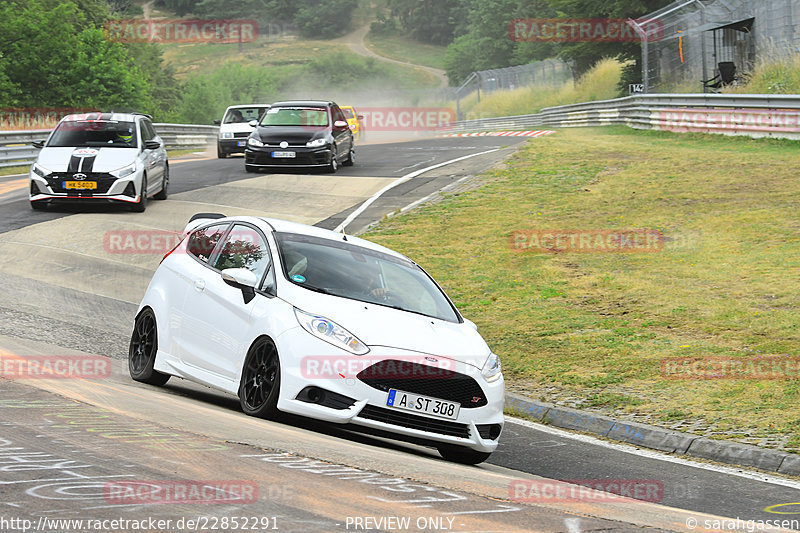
(118, 190)
(304, 157)
(302, 355)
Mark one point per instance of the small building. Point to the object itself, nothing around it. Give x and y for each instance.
(715, 40)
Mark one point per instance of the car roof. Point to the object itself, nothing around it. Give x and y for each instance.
(101, 117)
(243, 106)
(310, 103)
(286, 226)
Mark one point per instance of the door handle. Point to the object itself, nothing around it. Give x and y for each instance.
(199, 285)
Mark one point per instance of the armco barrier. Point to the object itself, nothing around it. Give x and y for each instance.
(754, 115)
(16, 149)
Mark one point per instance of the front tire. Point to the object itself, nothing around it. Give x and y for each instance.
(141, 205)
(39, 205)
(333, 166)
(221, 154)
(163, 193)
(462, 455)
(351, 158)
(260, 385)
(250, 168)
(142, 350)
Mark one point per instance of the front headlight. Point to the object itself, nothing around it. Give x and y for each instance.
(226, 135)
(316, 143)
(124, 171)
(40, 170)
(491, 368)
(331, 332)
(252, 141)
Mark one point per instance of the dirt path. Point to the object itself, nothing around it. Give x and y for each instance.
(355, 40)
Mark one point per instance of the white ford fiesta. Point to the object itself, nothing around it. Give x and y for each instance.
(303, 320)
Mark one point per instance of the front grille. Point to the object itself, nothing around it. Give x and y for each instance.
(412, 421)
(104, 183)
(301, 158)
(241, 134)
(436, 382)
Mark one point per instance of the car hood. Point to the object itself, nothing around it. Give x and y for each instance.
(290, 134)
(94, 159)
(236, 127)
(378, 326)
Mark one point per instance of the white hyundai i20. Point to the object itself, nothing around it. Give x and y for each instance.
(303, 320)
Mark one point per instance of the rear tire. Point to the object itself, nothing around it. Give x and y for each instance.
(260, 385)
(142, 350)
(141, 205)
(462, 455)
(163, 193)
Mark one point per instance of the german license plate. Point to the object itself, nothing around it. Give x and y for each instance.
(240, 143)
(284, 154)
(81, 185)
(417, 403)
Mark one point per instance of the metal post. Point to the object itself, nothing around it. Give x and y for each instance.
(703, 43)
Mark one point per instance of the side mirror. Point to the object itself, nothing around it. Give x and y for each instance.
(217, 122)
(339, 124)
(243, 279)
(38, 144)
(253, 123)
(152, 145)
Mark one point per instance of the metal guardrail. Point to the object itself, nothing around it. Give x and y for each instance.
(754, 115)
(16, 149)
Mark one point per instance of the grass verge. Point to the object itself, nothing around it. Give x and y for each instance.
(408, 50)
(596, 326)
(600, 83)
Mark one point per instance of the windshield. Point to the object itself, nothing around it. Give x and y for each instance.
(97, 133)
(350, 271)
(243, 114)
(295, 116)
(348, 112)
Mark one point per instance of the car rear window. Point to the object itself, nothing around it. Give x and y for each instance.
(203, 241)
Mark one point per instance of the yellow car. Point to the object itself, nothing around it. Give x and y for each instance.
(354, 121)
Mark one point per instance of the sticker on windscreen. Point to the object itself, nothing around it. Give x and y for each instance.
(298, 278)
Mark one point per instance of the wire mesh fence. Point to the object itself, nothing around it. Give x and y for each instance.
(706, 45)
(547, 73)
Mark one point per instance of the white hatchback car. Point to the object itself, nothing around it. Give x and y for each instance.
(235, 128)
(101, 157)
(303, 320)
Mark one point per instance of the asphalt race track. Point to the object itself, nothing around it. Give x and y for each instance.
(67, 290)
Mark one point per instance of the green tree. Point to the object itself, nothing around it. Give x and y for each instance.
(324, 19)
(431, 21)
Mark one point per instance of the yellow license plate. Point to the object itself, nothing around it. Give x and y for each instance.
(83, 185)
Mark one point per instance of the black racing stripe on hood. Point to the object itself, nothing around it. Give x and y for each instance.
(81, 164)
